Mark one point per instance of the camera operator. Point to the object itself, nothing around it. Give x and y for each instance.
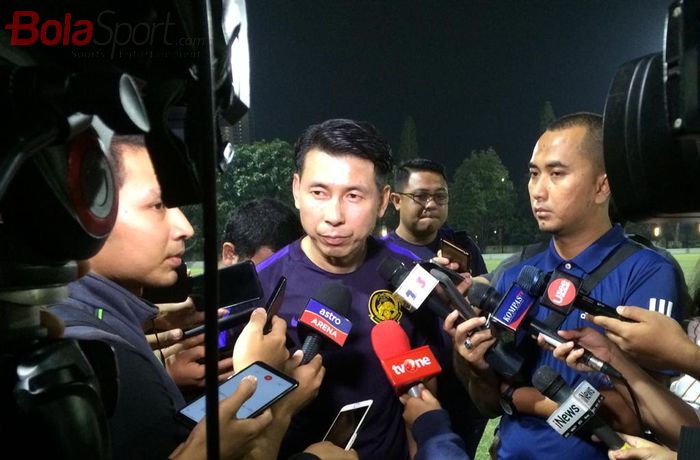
(569, 195)
(144, 249)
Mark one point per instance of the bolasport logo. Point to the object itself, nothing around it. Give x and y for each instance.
(119, 39)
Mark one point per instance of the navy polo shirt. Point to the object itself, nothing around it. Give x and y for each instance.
(353, 372)
(645, 279)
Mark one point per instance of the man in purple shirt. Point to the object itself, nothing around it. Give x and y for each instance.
(340, 189)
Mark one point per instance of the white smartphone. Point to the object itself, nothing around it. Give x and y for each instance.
(347, 423)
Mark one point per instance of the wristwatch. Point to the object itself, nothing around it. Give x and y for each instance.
(506, 401)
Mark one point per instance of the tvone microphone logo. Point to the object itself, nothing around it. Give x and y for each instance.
(411, 365)
(561, 292)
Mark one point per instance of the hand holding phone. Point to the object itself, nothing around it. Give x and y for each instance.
(274, 303)
(224, 323)
(456, 254)
(272, 385)
(347, 423)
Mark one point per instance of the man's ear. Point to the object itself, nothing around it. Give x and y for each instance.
(228, 254)
(296, 181)
(396, 200)
(603, 189)
(386, 192)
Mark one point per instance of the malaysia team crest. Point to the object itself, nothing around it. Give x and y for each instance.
(384, 305)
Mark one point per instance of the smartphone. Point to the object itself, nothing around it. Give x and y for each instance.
(238, 283)
(347, 423)
(272, 385)
(274, 303)
(178, 292)
(227, 322)
(456, 254)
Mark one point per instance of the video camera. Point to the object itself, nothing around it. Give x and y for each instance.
(651, 125)
(71, 75)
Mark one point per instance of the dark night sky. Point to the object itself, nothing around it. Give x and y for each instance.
(473, 73)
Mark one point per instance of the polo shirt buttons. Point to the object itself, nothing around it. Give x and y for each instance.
(567, 266)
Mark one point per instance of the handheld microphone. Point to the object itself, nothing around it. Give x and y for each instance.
(576, 409)
(560, 292)
(456, 297)
(510, 312)
(588, 358)
(325, 316)
(404, 367)
(415, 286)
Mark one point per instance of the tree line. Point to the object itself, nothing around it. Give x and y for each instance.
(484, 200)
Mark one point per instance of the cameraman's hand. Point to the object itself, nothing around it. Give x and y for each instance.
(235, 436)
(326, 450)
(654, 340)
(252, 345)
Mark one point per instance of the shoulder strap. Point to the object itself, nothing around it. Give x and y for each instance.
(614, 259)
(532, 249)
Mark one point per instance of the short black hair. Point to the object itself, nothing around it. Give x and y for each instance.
(262, 222)
(592, 143)
(116, 148)
(340, 136)
(404, 170)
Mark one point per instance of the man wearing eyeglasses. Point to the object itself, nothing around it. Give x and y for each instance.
(421, 198)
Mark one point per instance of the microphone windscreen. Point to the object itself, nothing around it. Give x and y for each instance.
(532, 280)
(389, 340)
(388, 267)
(478, 292)
(335, 296)
(544, 378)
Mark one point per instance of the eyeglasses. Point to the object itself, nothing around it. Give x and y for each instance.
(422, 198)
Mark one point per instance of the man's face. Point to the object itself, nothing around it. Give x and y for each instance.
(418, 219)
(339, 203)
(566, 190)
(148, 240)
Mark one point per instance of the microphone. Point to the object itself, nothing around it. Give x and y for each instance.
(325, 316)
(560, 292)
(404, 367)
(415, 286)
(576, 409)
(456, 297)
(588, 358)
(510, 312)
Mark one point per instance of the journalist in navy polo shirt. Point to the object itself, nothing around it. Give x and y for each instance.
(570, 194)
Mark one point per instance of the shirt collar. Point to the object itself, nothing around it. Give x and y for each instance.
(591, 257)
